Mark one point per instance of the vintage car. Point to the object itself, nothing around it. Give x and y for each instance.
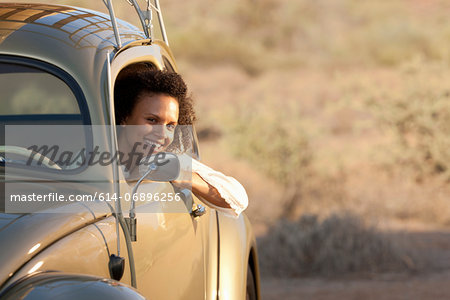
(58, 66)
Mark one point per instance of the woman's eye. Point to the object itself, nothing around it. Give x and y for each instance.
(171, 127)
(151, 120)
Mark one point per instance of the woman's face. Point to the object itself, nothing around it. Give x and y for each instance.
(156, 116)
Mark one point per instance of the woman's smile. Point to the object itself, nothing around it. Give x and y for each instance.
(155, 146)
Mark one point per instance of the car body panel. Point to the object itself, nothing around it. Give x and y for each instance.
(169, 246)
(7, 219)
(57, 285)
(84, 251)
(211, 250)
(36, 229)
(234, 256)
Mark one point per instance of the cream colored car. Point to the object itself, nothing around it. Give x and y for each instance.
(58, 65)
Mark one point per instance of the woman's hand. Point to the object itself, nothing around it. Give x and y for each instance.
(202, 189)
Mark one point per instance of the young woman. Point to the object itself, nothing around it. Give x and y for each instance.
(150, 104)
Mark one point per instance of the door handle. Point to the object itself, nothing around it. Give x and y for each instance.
(198, 210)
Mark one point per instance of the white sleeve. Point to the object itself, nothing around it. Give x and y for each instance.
(229, 188)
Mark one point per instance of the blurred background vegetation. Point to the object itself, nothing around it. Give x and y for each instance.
(334, 114)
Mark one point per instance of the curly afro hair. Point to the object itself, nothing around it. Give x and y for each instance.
(140, 78)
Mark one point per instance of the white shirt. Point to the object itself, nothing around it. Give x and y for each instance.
(229, 189)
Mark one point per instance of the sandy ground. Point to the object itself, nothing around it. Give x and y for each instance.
(429, 284)
(424, 286)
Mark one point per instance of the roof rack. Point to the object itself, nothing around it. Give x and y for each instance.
(145, 17)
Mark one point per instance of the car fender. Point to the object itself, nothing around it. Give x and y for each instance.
(237, 249)
(54, 285)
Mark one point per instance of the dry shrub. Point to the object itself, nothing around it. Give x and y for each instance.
(208, 47)
(274, 140)
(419, 118)
(422, 125)
(341, 243)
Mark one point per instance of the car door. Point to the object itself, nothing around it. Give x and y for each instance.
(168, 251)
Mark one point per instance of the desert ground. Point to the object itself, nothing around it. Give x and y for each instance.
(429, 284)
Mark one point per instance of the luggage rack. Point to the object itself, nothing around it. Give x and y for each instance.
(145, 17)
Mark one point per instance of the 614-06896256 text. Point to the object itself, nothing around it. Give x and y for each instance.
(108, 197)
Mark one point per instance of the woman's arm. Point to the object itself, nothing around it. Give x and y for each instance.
(219, 191)
(203, 189)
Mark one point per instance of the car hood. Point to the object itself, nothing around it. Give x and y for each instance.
(22, 236)
(6, 219)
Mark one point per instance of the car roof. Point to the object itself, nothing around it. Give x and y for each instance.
(76, 40)
(75, 29)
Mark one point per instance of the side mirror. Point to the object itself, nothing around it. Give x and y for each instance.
(163, 166)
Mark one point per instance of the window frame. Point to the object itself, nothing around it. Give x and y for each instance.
(74, 87)
(195, 143)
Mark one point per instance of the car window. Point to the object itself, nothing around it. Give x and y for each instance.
(33, 100)
(31, 91)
